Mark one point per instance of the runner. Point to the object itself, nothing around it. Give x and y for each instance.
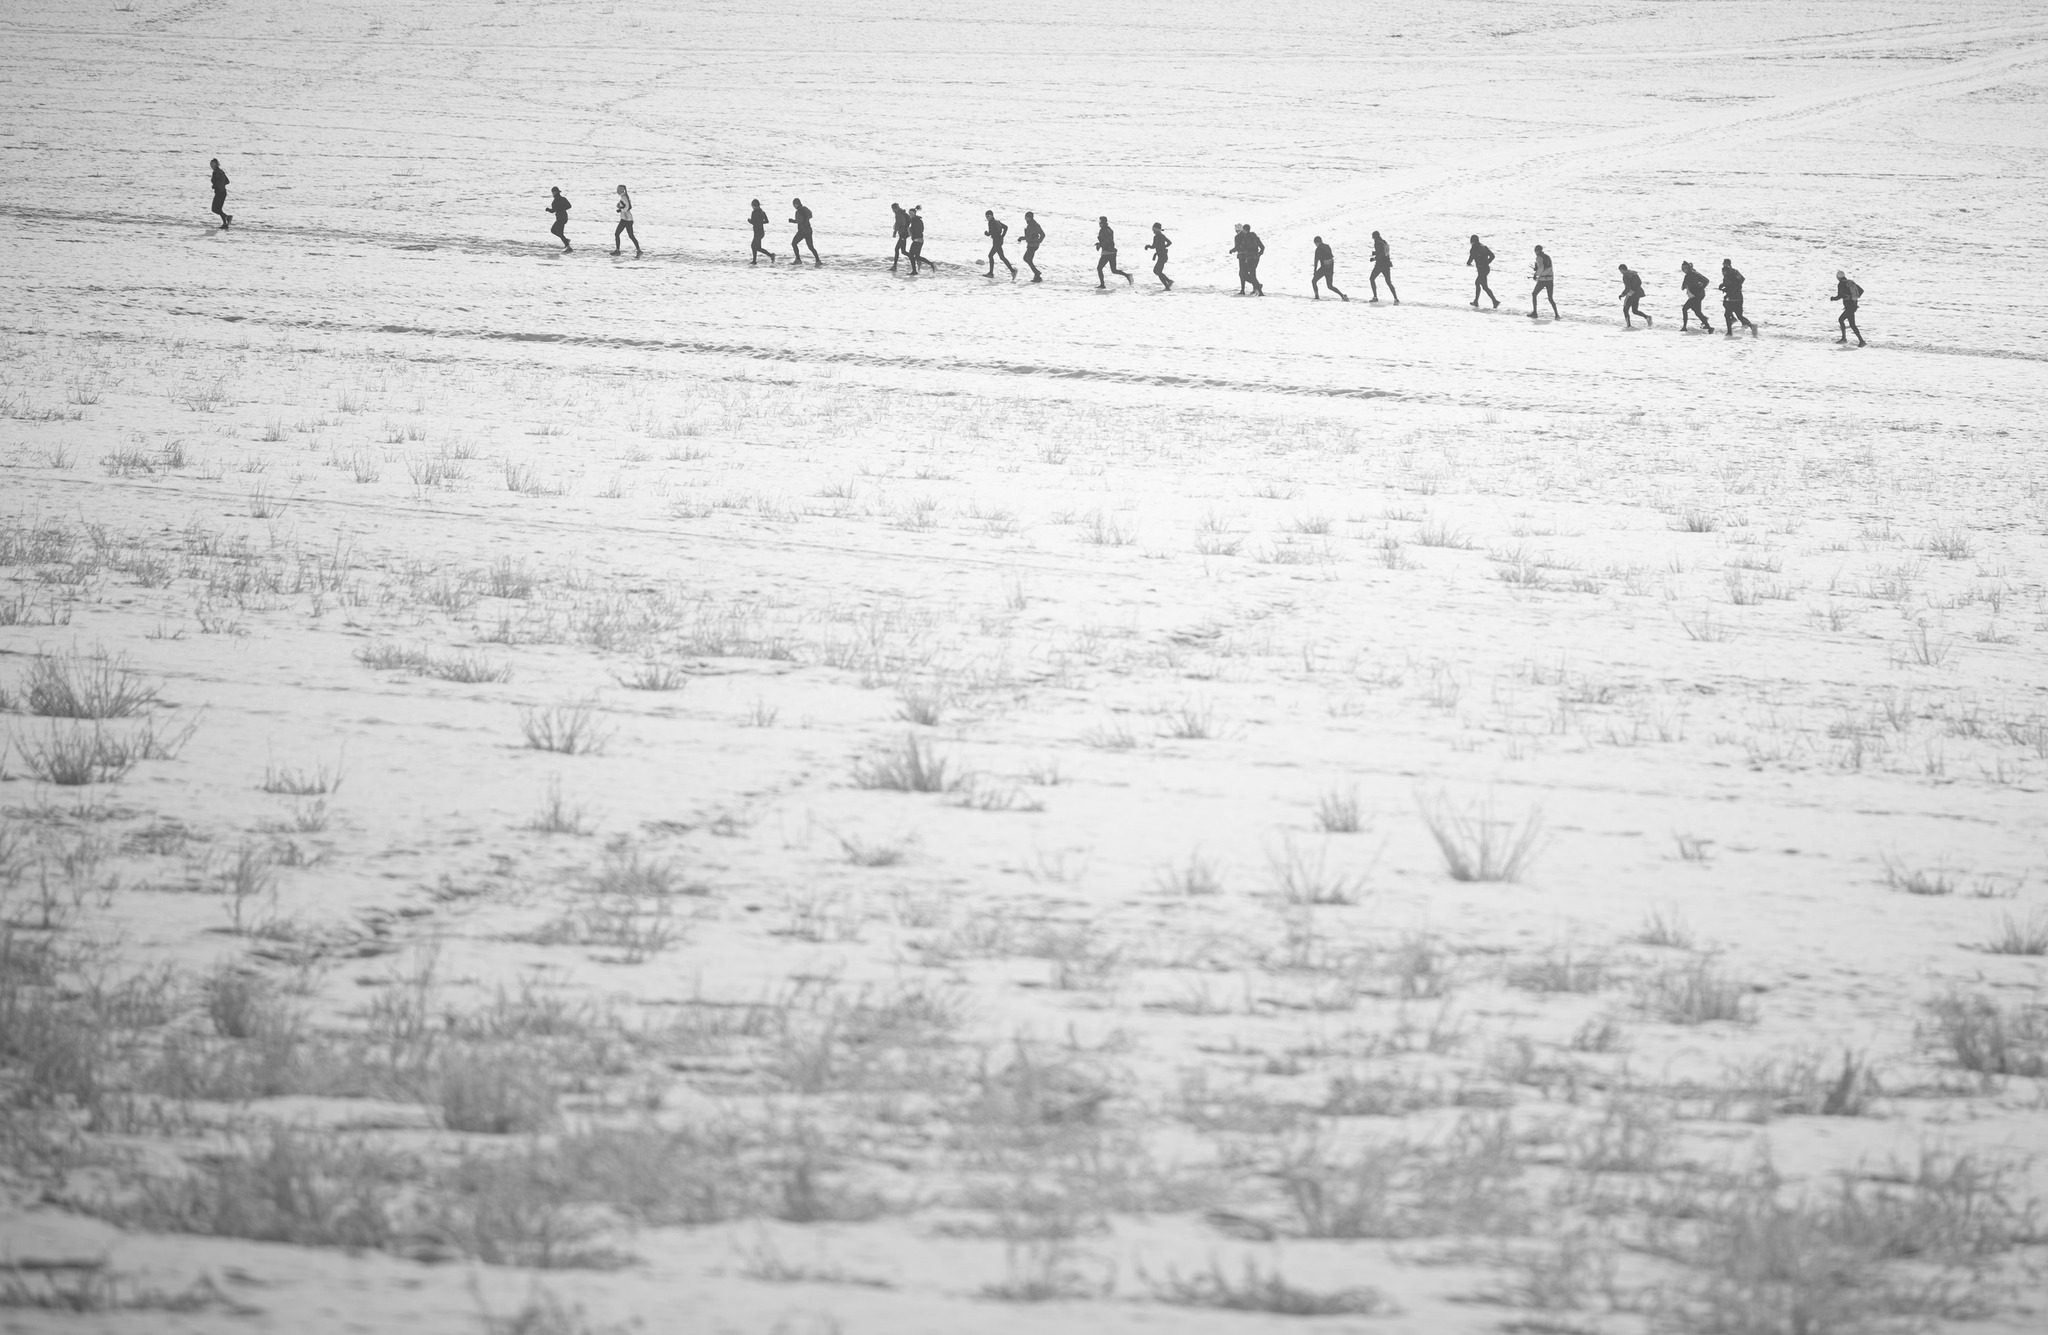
(1255, 249)
(1105, 241)
(1632, 297)
(1481, 259)
(759, 219)
(559, 206)
(1325, 271)
(917, 258)
(803, 236)
(1695, 284)
(995, 234)
(1731, 299)
(1383, 267)
(1545, 277)
(220, 195)
(1848, 292)
(1242, 249)
(625, 226)
(1033, 234)
(1159, 245)
(902, 229)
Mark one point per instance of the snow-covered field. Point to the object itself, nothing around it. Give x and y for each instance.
(724, 798)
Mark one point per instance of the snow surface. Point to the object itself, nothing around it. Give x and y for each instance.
(1422, 552)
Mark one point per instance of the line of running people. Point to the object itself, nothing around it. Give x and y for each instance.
(1245, 245)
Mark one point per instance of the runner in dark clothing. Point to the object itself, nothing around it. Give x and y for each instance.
(1545, 276)
(1253, 250)
(1325, 271)
(1242, 249)
(625, 227)
(995, 234)
(803, 236)
(916, 251)
(1105, 241)
(1159, 245)
(759, 219)
(1383, 267)
(1695, 284)
(1731, 299)
(1632, 297)
(1481, 259)
(220, 195)
(1033, 234)
(1848, 292)
(559, 206)
(902, 228)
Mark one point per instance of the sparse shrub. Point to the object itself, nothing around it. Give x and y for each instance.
(1982, 1035)
(571, 728)
(71, 756)
(299, 782)
(1661, 929)
(1190, 723)
(1467, 1184)
(2020, 936)
(85, 686)
(494, 1091)
(237, 1001)
(556, 816)
(1919, 880)
(914, 767)
(1300, 880)
(1337, 811)
(654, 677)
(1197, 876)
(304, 1187)
(1695, 992)
(1478, 846)
(922, 705)
(1258, 1290)
(1561, 970)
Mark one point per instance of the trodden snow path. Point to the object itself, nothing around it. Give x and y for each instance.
(375, 484)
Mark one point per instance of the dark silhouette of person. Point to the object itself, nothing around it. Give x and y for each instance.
(625, 227)
(1632, 297)
(1159, 245)
(1731, 299)
(220, 195)
(1247, 247)
(1545, 276)
(559, 206)
(902, 229)
(997, 230)
(916, 251)
(1480, 259)
(803, 237)
(759, 220)
(1848, 291)
(1695, 285)
(1382, 267)
(1105, 242)
(1033, 235)
(1325, 271)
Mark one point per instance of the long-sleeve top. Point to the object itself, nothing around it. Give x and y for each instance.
(1033, 233)
(1541, 270)
(1847, 292)
(1160, 244)
(1381, 254)
(625, 207)
(1105, 239)
(1631, 283)
(759, 217)
(997, 230)
(1731, 282)
(1480, 258)
(220, 179)
(559, 206)
(802, 219)
(1695, 284)
(1325, 257)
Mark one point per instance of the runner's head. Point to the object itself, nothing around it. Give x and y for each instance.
(1319, 241)
(1376, 236)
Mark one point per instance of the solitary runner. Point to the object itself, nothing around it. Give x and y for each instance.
(916, 252)
(759, 221)
(1731, 299)
(1480, 259)
(1240, 248)
(1325, 271)
(1159, 245)
(1105, 241)
(559, 206)
(1632, 297)
(1033, 235)
(902, 234)
(1695, 284)
(625, 227)
(1848, 291)
(220, 195)
(997, 230)
(803, 237)
(1545, 277)
(1383, 267)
